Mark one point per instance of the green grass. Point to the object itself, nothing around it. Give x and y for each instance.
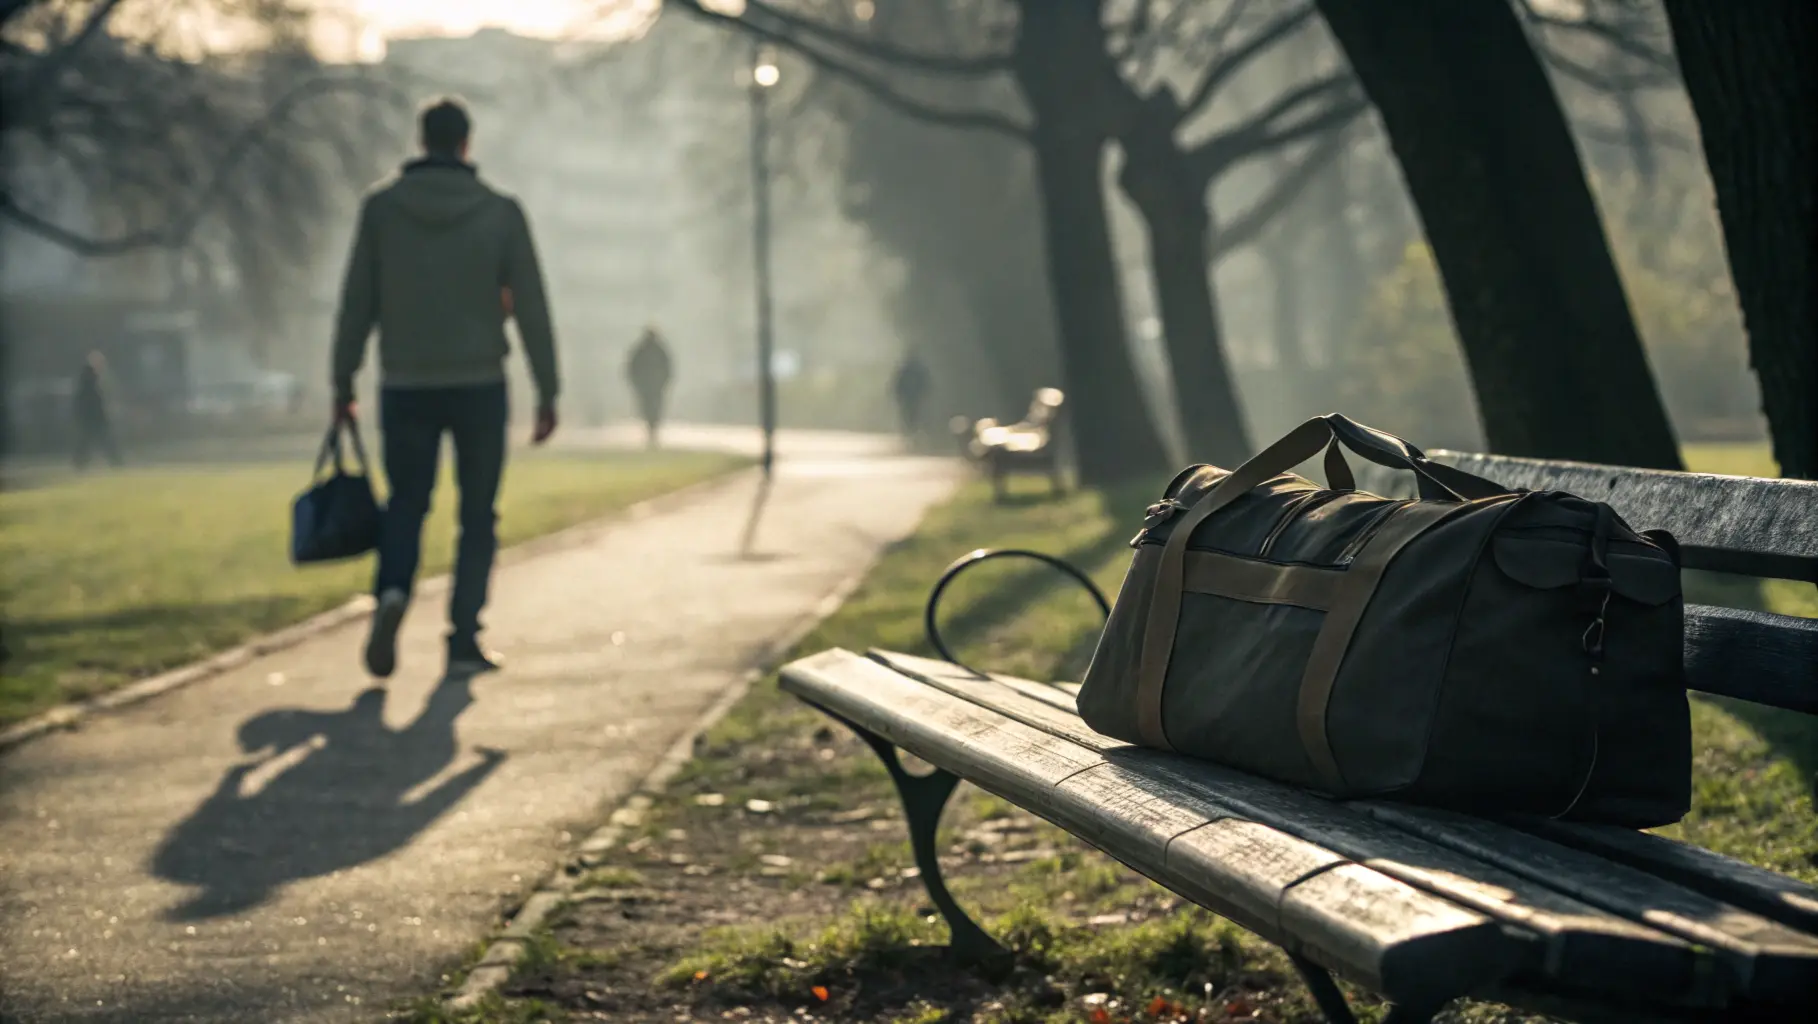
(117, 576)
(1754, 769)
(1753, 799)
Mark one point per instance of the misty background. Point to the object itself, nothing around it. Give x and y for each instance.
(893, 234)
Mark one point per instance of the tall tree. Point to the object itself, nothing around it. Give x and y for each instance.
(1748, 70)
(1555, 357)
(960, 210)
(1085, 79)
(1055, 52)
(1169, 181)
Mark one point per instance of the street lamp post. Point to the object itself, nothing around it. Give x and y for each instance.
(763, 75)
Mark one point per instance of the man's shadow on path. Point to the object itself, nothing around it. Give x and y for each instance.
(340, 804)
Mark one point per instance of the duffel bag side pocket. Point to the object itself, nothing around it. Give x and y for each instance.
(1643, 777)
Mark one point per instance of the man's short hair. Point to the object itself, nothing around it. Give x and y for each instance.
(445, 126)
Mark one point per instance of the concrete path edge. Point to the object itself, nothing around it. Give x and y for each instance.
(73, 714)
(494, 967)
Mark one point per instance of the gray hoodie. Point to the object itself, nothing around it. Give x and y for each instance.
(434, 249)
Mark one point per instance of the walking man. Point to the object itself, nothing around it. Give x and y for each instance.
(649, 369)
(440, 261)
(94, 427)
(909, 387)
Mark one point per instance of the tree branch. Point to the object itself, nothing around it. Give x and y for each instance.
(1248, 226)
(867, 81)
(176, 232)
(790, 25)
(52, 64)
(1625, 137)
(1146, 37)
(1261, 134)
(1619, 39)
(1230, 64)
(1606, 81)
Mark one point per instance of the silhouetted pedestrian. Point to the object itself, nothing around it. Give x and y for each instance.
(909, 387)
(650, 369)
(439, 262)
(94, 425)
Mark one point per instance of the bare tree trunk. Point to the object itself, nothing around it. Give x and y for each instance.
(1114, 437)
(1555, 357)
(1060, 62)
(1748, 72)
(1172, 202)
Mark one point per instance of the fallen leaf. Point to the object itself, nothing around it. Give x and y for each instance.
(700, 975)
(710, 799)
(820, 992)
(1099, 1016)
(759, 806)
(776, 860)
(1158, 1006)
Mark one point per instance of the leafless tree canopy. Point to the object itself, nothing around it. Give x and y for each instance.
(204, 125)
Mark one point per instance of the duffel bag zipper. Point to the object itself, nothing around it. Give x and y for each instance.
(1363, 536)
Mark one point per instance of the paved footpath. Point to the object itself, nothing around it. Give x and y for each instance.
(286, 843)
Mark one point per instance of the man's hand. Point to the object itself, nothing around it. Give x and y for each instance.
(546, 425)
(346, 412)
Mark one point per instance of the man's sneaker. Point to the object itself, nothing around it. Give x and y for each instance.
(466, 656)
(382, 642)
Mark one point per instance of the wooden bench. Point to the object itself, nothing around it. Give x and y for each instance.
(1422, 906)
(1026, 447)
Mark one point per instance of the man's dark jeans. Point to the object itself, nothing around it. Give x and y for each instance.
(412, 421)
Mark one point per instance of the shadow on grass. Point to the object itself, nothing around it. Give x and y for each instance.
(1790, 734)
(330, 790)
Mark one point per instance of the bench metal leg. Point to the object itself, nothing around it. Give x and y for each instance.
(1337, 1010)
(924, 796)
(1325, 991)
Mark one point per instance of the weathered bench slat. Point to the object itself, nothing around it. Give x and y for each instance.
(1768, 961)
(1584, 947)
(1771, 895)
(1755, 656)
(1379, 931)
(1747, 525)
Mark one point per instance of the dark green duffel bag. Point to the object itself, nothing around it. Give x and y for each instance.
(1482, 649)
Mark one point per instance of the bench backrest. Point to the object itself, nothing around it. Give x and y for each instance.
(1747, 526)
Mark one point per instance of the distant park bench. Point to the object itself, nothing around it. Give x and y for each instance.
(1026, 447)
(1421, 906)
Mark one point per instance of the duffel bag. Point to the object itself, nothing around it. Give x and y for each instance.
(338, 517)
(1479, 648)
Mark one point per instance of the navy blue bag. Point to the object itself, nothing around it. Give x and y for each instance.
(339, 517)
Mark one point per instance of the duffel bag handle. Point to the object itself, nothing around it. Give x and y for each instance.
(331, 449)
(1437, 482)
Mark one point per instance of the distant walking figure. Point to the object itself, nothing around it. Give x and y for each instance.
(910, 389)
(439, 262)
(94, 427)
(649, 369)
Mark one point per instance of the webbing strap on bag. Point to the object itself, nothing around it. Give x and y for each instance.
(1351, 594)
(1437, 482)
